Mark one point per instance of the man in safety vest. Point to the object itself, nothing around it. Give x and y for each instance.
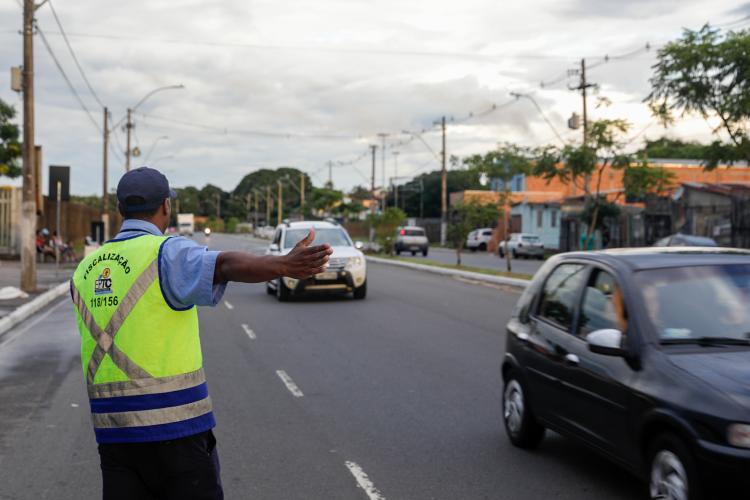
(135, 301)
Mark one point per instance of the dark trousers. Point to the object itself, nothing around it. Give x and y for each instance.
(184, 469)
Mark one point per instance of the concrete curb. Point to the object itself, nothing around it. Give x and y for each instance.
(30, 308)
(486, 278)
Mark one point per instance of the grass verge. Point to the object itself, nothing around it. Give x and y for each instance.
(481, 270)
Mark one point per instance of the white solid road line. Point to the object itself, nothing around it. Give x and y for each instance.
(229, 306)
(363, 481)
(248, 331)
(289, 383)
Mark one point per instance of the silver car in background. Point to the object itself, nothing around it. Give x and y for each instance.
(522, 245)
(411, 239)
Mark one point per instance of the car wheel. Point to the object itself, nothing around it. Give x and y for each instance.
(398, 251)
(482, 247)
(413, 254)
(501, 253)
(522, 429)
(269, 290)
(424, 252)
(361, 292)
(473, 249)
(672, 474)
(514, 254)
(282, 291)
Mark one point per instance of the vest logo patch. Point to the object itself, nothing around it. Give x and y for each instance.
(103, 284)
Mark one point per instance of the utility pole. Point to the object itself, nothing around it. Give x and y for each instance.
(583, 85)
(255, 199)
(28, 207)
(105, 176)
(395, 176)
(382, 136)
(218, 206)
(268, 205)
(129, 126)
(443, 193)
(374, 148)
(330, 173)
(278, 210)
(302, 194)
(248, 199)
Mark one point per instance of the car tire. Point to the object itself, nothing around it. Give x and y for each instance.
(671, 467)
(514, 254)
(501, 253)
(522, 428)
(361, 292)
(473, 249)
(424, 252)
(269, 290)
(413, 253)
(398, 251)
(483, 247)
(282, 291)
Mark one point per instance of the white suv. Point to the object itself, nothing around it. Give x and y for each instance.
(347, 269)
(479, 239)
(411, 239)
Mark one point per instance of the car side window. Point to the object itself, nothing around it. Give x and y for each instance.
(488, 233)
(560, 294)
(603, 305)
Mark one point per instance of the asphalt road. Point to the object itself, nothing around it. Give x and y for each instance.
(394, 397)
(482, 259)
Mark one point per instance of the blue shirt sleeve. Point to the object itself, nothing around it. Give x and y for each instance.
(186, 272)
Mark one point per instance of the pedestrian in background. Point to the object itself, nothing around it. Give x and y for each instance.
(135, 301)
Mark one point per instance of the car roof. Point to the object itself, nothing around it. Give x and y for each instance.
(307, 224)
(412, 227)
(637, 259)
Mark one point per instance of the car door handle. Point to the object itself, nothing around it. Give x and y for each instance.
(572, 360)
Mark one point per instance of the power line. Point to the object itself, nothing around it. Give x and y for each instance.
(73, 54)
(67, 80)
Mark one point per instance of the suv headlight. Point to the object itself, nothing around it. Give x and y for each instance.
(739, 435)
(353, 262)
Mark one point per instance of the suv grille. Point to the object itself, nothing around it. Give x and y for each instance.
(337, 263)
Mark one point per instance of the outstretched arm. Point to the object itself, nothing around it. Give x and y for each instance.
(302, 262)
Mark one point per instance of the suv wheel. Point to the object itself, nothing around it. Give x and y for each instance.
(361, 292)
(672, 473)
(282, 291)
(501, 253)
(424, 252)
(523, 430)
(483, 247)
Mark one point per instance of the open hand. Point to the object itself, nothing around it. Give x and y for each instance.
(305, 261)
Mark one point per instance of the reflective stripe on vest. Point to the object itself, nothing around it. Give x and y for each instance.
(164, 395)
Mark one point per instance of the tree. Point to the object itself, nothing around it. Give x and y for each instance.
(584, 167)
(706, 72)
(10, 147)
(324, 200)
(420, 197)
(467, 217)
(385, 225)
(667, 147)
(503, 164)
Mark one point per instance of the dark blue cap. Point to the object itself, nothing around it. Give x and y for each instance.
(145, 188)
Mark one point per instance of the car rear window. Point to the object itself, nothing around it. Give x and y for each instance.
(530, 239)
(412, 232)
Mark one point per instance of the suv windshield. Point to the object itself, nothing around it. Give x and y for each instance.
(530, 239)
(333, 236)
(700, 302)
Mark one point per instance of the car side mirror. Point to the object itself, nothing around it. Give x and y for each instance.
(607, 341)
(274, 247)
(359, 245)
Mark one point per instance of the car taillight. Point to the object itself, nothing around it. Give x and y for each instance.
(403, 232)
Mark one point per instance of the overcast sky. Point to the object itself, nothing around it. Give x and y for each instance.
(297, 83)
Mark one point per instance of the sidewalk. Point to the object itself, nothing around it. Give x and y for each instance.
(48, 276)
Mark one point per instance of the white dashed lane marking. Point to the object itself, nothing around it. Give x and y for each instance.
(229, 305)
(289, 383)
(248, 331)
(363, 481)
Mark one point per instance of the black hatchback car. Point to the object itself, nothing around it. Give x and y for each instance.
(644, 355)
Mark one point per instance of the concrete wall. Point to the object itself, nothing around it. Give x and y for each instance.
(550, 214)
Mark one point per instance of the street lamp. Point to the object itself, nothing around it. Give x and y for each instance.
(518, 95)
(129, 124)
(153, 145)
